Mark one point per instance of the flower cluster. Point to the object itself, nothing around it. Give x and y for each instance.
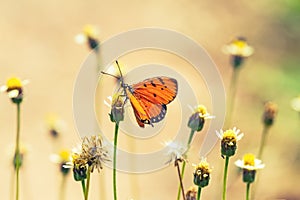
(202, 174)
(62, 159)
(239, 50)
(249, 164)
(197, 119)
(14, 89)
(229, 140)
(89, 36)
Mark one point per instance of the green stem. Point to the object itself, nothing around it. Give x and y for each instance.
(115, 161)
(17, 152)
(88, 178)
(199, 193)
(225, 177)
(184, 163)
(262, 141)
(62, 188)
(247, 191)
(180, 179)
(231, 98)
(83, 187)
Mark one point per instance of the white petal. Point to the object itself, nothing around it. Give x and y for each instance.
(219, 134)
(55, 158)
(3, 88)
(240, 136)
(13, 93)
(80, 39)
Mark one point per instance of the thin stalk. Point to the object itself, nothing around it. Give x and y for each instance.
(180, 179)
(62, 188)
(17, 152)
(262, 141)
(248, 191)
(115, 161)
(83, 187)
(259, 156)
(225, 177)
(88, 179)
(184, 163)
(199, 193)
(231, 98)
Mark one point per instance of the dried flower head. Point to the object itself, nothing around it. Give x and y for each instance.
(197, 119)
(191, 194)
(89, 36)
(14, 89)
(229, 140)
(202, 173)
(93, 152)
(269, 113)
(238, 49)
(175, 150)
(249, 164)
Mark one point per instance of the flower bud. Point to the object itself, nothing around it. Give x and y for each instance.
(269, 113)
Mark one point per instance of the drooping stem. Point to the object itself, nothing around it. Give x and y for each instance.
(115, 161)
(248, 191)
(262, 141)
(88, 178)
(180, 178)
(199, 193)
(225, 177)
(184, 163)
(231, 98)
(17, 152)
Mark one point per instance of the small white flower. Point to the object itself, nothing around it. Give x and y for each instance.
(249, 162)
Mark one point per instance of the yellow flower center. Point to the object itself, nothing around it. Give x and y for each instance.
(13, 83)
(229, 135)
(204, 166)
(249, 159)
(64, 154)
(201, 109)
(241, 44)
(89, 31)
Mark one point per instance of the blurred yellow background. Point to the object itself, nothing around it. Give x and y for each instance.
(37, 43)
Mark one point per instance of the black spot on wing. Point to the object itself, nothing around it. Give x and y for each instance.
(153, 84)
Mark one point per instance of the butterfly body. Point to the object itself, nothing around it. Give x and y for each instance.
(150, 97)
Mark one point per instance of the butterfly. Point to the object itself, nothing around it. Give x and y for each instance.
(149, 98)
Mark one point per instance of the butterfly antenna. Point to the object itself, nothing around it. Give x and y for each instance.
(122, 83)
(102, 72)
(119, 68)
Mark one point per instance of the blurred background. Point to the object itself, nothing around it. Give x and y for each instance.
(37, 43)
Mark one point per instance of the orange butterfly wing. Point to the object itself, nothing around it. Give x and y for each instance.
(150, 97)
